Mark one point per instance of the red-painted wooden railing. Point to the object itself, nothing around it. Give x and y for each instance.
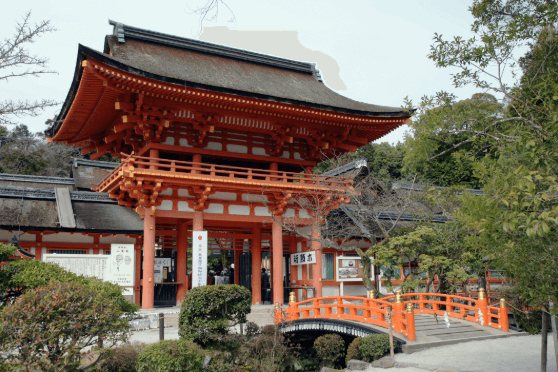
(404, 306)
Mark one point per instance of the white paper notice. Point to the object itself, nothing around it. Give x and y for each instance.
(121, 268)
(199, 258)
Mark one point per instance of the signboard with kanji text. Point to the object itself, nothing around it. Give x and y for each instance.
(199, 258)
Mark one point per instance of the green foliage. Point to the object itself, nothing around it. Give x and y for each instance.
(439, 250)
(353, 351)
(373, 347)
(121, 359)
(330, 349)
(266, 352)
(171, 356)
(46, 328)
(22, 275)
(7, 251)
(515, 222)
(207, 312)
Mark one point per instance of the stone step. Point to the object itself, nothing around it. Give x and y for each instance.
(440, 326)
(449, 330)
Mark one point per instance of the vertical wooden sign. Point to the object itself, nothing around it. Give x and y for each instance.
(199, 258)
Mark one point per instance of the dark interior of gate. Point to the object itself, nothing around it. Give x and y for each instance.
(230, 253)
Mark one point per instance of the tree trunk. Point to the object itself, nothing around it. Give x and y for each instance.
(554, 334)
(544, 339)
(482, 281)
(365, 259)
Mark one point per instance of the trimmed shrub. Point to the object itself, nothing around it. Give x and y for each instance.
(171, 356)
(46, 328)
(353, 351)
(121, 359)
(330, 349)
(208, 311)
(374, 347)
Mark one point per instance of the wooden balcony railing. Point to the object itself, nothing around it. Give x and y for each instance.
(138, 165)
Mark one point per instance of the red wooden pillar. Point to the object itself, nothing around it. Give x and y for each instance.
(196, 158)
(153, 154)
(317, 248)
(182, 260)
(198, 221)
(256, 264)
(277, 248)
(148, 291)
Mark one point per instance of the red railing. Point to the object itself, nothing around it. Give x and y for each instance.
(164, 167)
(403, 308)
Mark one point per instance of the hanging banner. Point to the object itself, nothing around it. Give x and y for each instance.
(303, 258)
(199, 258)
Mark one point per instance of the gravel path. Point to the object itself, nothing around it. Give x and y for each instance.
(521, 354)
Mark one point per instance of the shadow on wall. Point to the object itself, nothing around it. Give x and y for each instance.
(284, 44)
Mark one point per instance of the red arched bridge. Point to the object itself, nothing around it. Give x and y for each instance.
(350, 315)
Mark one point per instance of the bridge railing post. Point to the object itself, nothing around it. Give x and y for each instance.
(482, 308)
(449, 307)
(317, 311)
(292, 310)
(398, 312)
(503, 319)
(340, 308)
(411, 333)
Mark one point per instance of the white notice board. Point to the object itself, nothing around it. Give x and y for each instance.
(119, 267)
(199, 258)
(349, 269)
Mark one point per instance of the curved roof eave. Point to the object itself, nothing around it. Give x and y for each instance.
(84, 52)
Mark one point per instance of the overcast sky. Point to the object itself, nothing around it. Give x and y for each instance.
(371, 51)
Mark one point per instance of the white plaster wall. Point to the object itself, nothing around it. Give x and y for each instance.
(223, 196)
(259, 151)
(303, 214)
(243, 210)
(167, 191)
(90, 250)
(306, 230)
(183, 207)
(261, 211)
(297, 156)
(118, 239)
(68, 238)
(43, 251)
(215, 208)
(169, 141)
(289, 213)
(183, 193)
(240, 149)
(329, 290)
(6, 235)
(214, 146)
(166, 205)
(184, 142)
(354, 290)
(32, 250)
(253, 198)
(286, 154)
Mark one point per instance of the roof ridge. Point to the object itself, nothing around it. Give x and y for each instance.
(122, 32)
(33, 178)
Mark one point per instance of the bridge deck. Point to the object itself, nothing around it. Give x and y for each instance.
(430, 333)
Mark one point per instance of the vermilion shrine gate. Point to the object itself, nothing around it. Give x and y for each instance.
(212, 138)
